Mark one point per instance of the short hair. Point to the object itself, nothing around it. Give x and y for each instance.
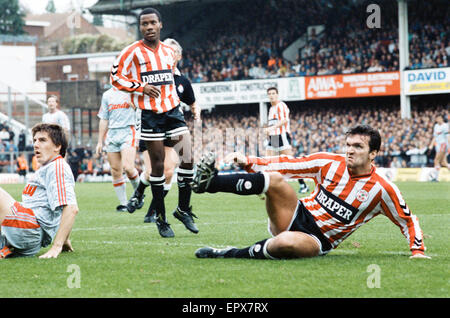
(52, 96)
(56, 134)
(149, 11)
(272, 88)
(366, 130)
(174, 42)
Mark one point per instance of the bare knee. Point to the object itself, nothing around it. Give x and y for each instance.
(129, 169)
(116, 172)
(276, 180)
(293, 245)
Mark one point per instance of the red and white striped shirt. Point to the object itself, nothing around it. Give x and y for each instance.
(340, 202)
(138, 65)
(278, 113)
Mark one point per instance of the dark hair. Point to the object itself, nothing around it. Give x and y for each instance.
(366, 130)
(56, 134)
(52, 96)
(272, 88)
(150, 11)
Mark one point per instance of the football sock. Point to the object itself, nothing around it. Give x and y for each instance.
(157, 186)
(134, 180)
(257, 250)
(240, 183)
(166, 190)
(121, 191)
(143, 184)
(184, 178)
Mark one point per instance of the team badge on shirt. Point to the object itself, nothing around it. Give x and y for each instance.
(362, 195)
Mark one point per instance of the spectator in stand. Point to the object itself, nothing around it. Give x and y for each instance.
(22, 167)
(22, 142)
(12, 151)
(4, 134)
(74, 163)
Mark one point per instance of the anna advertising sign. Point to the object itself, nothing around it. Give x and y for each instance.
(352, 85)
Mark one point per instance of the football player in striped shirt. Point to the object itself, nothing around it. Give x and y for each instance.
(49, 206)
(145, 70)
(187, 96)
(279, 131)
(117, 122)
(349, 192)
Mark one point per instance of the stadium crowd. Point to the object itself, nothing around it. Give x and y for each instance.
(313, 129)
(346, 45)
(320, 128)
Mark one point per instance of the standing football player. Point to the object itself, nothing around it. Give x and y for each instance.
(56, 116)
(117, 123)
(187, 96)
(279, 131)
(440, 143)
(145, 70)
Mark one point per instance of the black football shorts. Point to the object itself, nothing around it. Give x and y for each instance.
(154, 126)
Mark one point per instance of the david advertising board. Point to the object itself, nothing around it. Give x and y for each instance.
(427, 81)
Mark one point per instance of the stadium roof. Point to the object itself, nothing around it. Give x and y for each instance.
(125, 6)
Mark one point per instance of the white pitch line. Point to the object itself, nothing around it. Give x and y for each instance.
(148, 225)
(165, 243)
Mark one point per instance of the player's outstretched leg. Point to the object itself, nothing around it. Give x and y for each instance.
(257, 251)
(283, 246)
(207, 179)
(281, 204)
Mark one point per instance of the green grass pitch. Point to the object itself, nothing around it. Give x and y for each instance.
(117, 255)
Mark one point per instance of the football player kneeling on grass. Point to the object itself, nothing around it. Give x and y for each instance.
(349, 192)
(48, 208)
